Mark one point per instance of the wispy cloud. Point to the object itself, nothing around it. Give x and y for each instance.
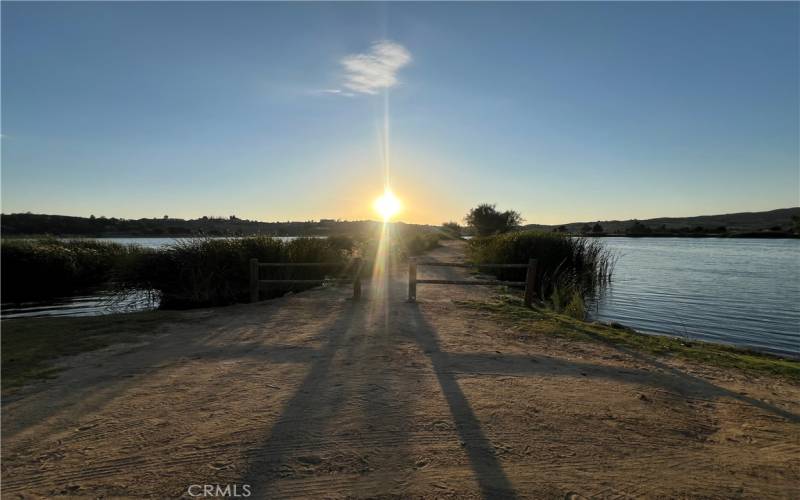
(370, 72)
(377, 69)
(335, 91)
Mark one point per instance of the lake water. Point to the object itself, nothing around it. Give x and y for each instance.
(91, 304)
(736, 291)
(162, 242)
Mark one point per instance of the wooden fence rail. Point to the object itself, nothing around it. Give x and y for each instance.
(529, 283)
(257, 284)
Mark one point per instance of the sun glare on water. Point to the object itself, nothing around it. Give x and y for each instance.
(387, 205)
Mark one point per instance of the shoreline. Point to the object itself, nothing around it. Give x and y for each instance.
(616, 325)
(789, 356)
(34, 336)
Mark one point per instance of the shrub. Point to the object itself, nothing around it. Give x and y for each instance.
(37, 269)
(569, 269)
(215, 272)
(420, 243)
(451, 229)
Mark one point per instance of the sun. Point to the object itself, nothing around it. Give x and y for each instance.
(387, 204)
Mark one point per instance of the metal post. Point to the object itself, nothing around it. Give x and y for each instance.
(530, 282)
(253, 280)
(357, 278)
(412, 279)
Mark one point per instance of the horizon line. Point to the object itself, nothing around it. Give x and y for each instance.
(319, 220)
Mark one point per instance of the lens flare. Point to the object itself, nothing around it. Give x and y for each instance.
(387, 205)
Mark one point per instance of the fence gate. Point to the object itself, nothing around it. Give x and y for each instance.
(529, 283)
(257, 284)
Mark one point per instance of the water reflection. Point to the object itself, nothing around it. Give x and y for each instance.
(738, 291)
(93, 304)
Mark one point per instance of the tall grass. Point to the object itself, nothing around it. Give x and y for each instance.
(215, 272)
(420, 243)
(188, 273)
(570, 270)
(36, 269)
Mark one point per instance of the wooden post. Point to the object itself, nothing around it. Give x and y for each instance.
(254, 280)
(412, 279)
(530, 282)
(357, 278)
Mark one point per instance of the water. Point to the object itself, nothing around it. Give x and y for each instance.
(737, 291)
(95, 303)
(143, 242)
(162, 242)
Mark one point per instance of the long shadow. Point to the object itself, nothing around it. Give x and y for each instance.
(337, 377)
(698, 384)
(94, 391)
(489, 473)
(478, 363)
(314, 398)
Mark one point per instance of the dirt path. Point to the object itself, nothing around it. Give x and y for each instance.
(314, 395)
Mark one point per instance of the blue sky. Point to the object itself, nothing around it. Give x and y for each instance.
(564, 112)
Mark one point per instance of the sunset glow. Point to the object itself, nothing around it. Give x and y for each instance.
(387, 205)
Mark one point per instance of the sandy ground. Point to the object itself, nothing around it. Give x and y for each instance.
(314, 395)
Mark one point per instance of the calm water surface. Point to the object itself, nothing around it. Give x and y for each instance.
(737, 291)
(162, 242)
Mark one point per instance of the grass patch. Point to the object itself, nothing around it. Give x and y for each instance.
(545, 321)
(30, 345)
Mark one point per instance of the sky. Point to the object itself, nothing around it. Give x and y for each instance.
(274, 111)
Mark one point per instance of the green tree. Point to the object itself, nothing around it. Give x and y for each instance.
(486, 220)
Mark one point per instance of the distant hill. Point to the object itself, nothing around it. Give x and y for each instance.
(28, 224)
(742, 222)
